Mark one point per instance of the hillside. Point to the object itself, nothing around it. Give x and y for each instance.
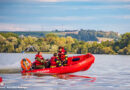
(84, 35)
(93, 35)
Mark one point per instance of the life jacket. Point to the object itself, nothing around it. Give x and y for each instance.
(63, 50)
(54, 61)
(38, 62)
(61, 54)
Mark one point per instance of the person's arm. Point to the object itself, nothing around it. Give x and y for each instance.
(66, 57)
(40, 60)
(58, 62)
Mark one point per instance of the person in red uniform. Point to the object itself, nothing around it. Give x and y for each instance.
(39, 61)
(54, 61)
(62, 54)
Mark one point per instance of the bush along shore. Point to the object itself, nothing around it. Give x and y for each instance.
(12, 43)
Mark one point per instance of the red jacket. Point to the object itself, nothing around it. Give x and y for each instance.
(63, 50)
(62, 55)
(53, 61)
(37, 62)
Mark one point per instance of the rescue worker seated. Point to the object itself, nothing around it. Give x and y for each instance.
(39, 61)
(54, 61)
(62, 54)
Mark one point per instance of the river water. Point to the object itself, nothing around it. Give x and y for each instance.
(109, 72)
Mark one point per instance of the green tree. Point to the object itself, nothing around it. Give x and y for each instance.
(6, 35)
(53, 48)
(125, 50)
(107, 50)
(125, 40)
(10, 48)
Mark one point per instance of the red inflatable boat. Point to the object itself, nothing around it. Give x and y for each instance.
(75, 64)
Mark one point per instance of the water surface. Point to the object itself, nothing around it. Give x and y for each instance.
(109, 72)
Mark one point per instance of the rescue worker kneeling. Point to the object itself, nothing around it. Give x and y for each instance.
(54, 61)
(39, 61)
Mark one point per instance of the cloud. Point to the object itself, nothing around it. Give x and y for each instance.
(39, 27)
(102, 7)
(64, 0)
(82, 0)
(49, 0)
(84, 18)
(87, 7)
(60, 19)
(69, 18)
(27, 27)
(60, 0)
(121, 28)
(120, 17)
(32, 27)
(10, 27)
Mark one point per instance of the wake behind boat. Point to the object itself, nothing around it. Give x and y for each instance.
(74, 64)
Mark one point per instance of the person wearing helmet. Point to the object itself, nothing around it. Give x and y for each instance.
(54, 61)
(62, 54)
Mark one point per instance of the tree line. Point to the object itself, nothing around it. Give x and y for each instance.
(11, 42)
(84, 35)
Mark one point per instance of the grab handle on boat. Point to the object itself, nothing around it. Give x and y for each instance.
(75, 59)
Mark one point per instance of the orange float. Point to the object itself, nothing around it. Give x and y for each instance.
(26, 64)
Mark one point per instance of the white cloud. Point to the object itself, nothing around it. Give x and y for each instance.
(82, 0)
(118, 17)
(10, 27)
(27, 27)
(85, 18)
(69, 18)
(48, 0)
(121, 28)
(85, 7)
(37, 27)
(65, 0)
(103, 7)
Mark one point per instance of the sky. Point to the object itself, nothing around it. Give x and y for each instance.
(47, 15)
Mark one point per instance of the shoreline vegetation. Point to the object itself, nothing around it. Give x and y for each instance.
(11, 42)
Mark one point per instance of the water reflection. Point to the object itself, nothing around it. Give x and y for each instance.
(60, 76)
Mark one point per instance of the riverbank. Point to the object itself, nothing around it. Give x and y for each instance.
(51, 42)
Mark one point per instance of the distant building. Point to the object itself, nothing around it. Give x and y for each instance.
(104, 39)
(71, 32)
(91, 42)
(21, 36)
